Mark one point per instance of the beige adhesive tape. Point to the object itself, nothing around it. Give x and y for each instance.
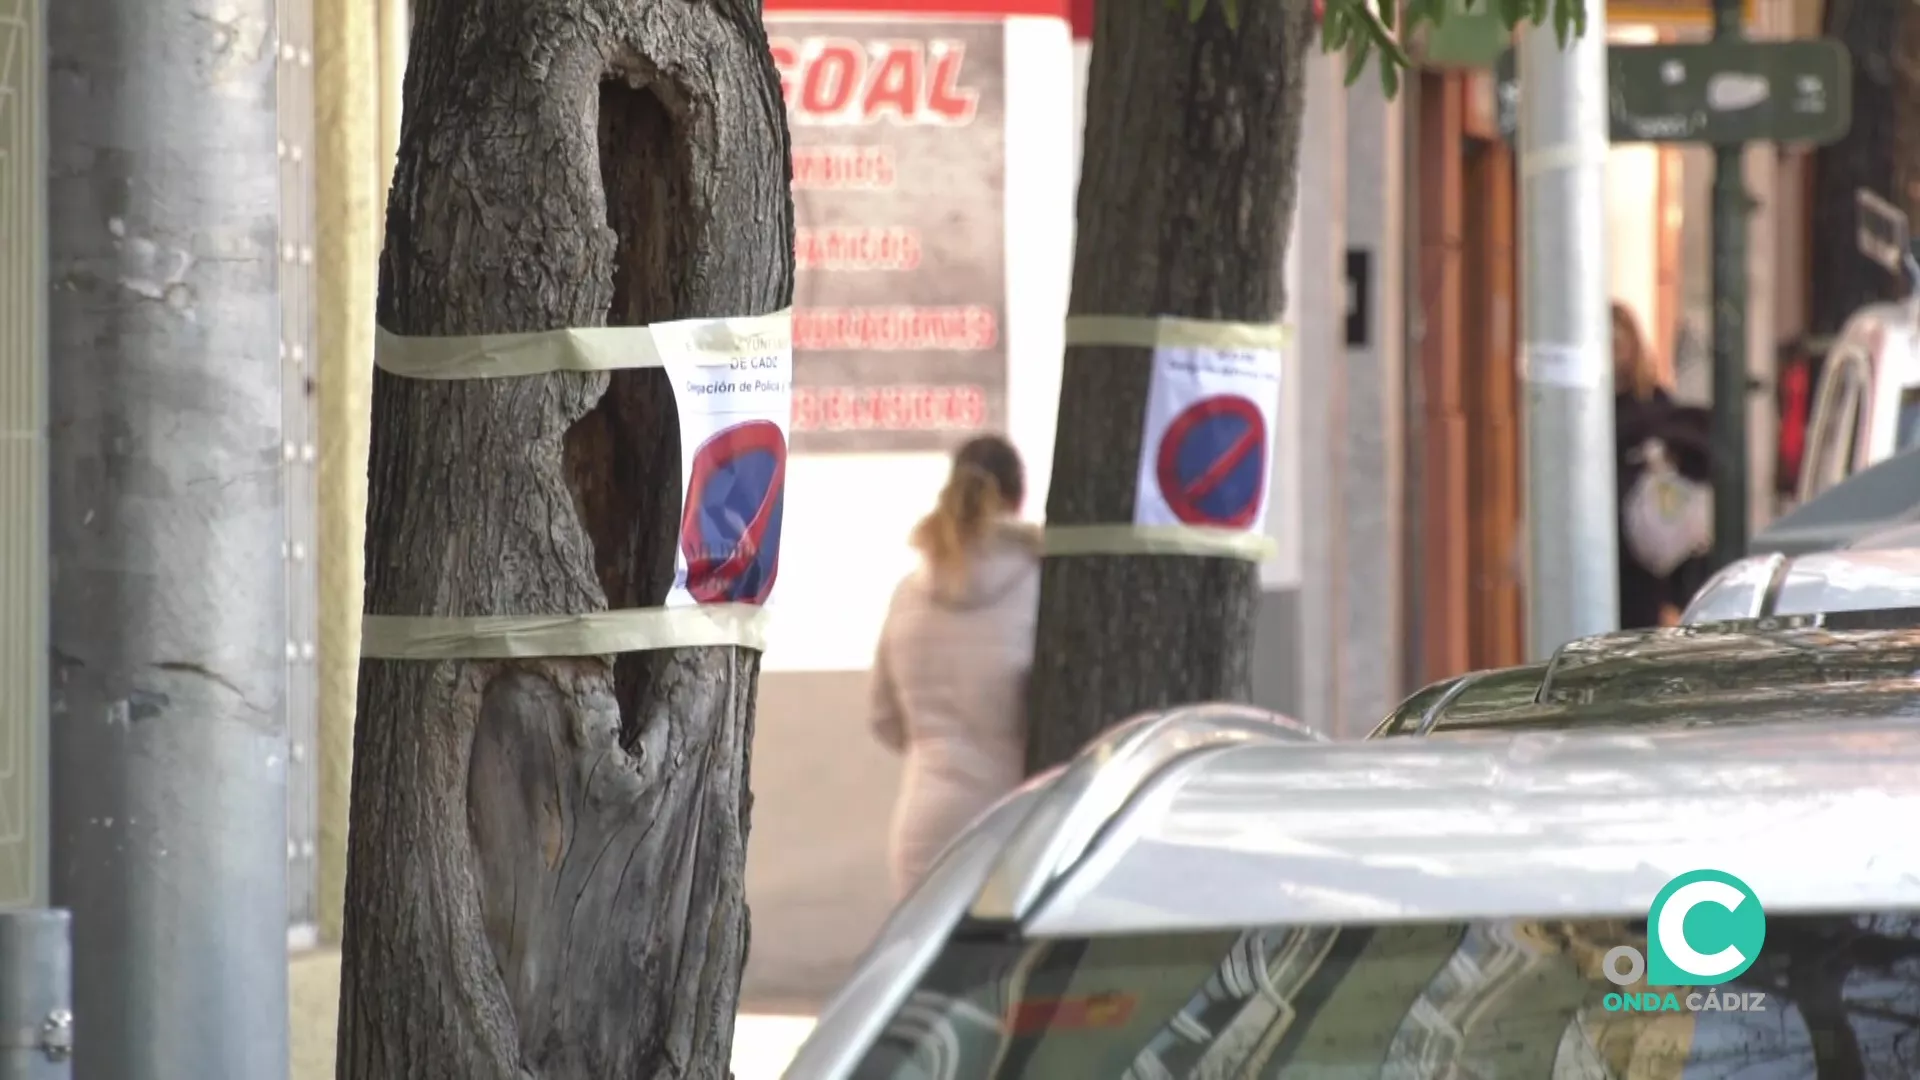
(1068, 540)
(1571, 155)
(504, 637)
(601, 348)
(1158, 331)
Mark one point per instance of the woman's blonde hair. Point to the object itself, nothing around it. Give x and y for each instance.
(1637, 375)
(988, 482)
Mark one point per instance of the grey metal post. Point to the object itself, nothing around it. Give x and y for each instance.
(1567, 334)
(36, 1018)
(1320, 245)
(1730, 378)
(23, 457)
(169, 627)
(36, 1004)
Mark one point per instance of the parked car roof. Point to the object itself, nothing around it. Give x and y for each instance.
(1492, 826)
(1855, 547)
(1851, 548)
(1190, 855)
(1864, 578)
(1905, 535)
(1869, 501)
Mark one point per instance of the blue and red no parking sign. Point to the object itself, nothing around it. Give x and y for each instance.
(730, 529)
(1212, 467)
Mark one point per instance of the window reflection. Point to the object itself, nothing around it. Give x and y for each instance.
(1484, 1001)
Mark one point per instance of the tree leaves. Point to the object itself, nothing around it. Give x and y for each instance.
(1374, 29)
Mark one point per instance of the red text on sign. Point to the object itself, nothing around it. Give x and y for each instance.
(831, 81)
(889, 408)
(896, 248)
(858, 168)
(895, 329)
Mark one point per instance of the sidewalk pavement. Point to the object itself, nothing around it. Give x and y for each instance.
(764, 1044)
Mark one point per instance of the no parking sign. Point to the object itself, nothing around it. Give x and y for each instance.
(732, 380)
(733, 465)
(730, 528)
(1212, 464)
(1208, 438)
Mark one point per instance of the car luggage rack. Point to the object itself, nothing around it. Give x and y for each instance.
(1431, 716)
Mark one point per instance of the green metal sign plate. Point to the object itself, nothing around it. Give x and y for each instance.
(1466, 37)
(1731, 92)
(1718, 92)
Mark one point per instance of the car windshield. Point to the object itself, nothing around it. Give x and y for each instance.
(1830, 995)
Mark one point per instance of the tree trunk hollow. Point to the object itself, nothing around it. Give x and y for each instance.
(547, 856)
(1187, 188)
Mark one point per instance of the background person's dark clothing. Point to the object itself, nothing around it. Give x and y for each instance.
(1686, 432)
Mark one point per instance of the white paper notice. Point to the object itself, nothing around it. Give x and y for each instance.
(733, 472)
(1207, 442)
(1572, 366)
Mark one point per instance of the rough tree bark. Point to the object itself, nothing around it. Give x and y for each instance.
(545, 875)
(1187, 188)
(1881, 152)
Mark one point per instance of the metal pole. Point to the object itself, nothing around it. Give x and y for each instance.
(1731, 516)
(1567, 333)
(36, 1008)
(36, 1003)
(23, 460)
(169, 589)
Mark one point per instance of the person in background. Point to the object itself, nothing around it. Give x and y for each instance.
(949, 677)
(1664, 470)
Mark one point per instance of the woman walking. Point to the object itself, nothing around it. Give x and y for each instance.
(949, 678)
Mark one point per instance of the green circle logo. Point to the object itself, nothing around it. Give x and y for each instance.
(1704, 928)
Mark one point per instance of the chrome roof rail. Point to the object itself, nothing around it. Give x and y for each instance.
(1434, 711)
(1099, 782)
(1541, 696)
(1767, 596)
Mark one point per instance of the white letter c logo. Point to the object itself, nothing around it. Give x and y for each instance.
(1673, 928)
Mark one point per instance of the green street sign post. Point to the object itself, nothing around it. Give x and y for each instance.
(1725, 93)
(1722, 93)
(1732, 386)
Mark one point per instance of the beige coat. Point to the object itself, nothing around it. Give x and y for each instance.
(949, 692)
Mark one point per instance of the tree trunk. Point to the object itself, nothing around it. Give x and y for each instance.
(1819, 992)
(1881, 152)
(1187, 190)
(545, 873)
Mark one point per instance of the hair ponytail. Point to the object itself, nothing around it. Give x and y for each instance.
(968, 506)
(987, 482)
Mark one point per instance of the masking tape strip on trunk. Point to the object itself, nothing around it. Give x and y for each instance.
(599, 633)
(1166, 331)
(1070, 540)
(701, 342)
